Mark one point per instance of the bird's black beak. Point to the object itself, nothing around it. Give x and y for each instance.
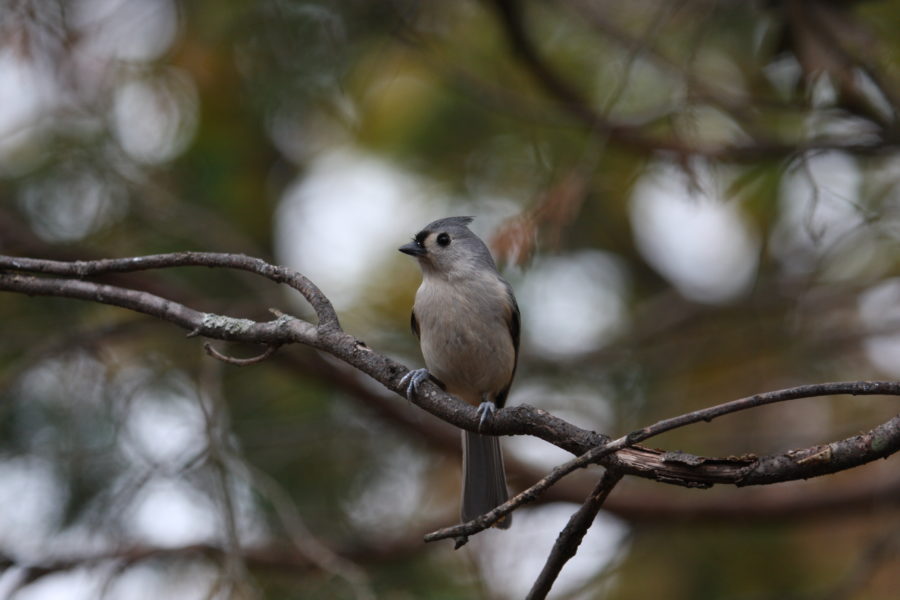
(413, 249)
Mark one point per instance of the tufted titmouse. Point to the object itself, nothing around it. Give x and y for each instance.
(467, 322)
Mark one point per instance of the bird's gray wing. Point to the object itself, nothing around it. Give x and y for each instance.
(514, 324)
(414, 323)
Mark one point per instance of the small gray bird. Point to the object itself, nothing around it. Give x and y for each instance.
(467, 322)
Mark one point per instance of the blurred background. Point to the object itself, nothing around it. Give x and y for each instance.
(694, 200)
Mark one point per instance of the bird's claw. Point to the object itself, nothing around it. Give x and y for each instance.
(485, 412)
(414, 378)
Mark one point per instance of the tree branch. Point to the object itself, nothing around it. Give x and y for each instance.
(81, 269)
(590, 447)
(749, 470)
(281, 330)
(764, 502)
(570, 537)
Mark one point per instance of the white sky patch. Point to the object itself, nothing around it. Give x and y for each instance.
(783, 74)
(190, 581)
(818, 209)
(77, 584)
(11, 579)
(170, 513)
(571, 304)
(345, 218)
(20, 92)
(31, 496)
(187, 581)
(511, 560)
(879, 310)
(163, 428)
(700, 243)
(25, 95)
(535, 451)
(133, 30)
(155, 118)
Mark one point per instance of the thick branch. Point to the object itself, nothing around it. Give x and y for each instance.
(749, 470)
(677, 468)
(764, 502)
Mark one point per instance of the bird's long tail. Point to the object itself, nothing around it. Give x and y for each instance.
(484, 479)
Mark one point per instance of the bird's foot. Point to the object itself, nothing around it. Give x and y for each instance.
(485, 412)
(412, 381)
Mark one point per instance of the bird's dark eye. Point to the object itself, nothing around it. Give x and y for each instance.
(443, 239)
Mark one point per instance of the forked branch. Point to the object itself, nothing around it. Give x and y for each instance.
(69, 280)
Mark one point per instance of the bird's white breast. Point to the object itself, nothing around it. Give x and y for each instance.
(465, 336)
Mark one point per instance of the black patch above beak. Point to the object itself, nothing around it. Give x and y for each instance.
(413, 249)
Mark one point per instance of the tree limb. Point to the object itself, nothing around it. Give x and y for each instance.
(81, 268)
(764, 503)
(590, 447)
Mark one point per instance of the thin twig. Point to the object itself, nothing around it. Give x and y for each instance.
(570, 537)
(852, 388)
(321, 305)
(766, 503)
(461, 532)
(310, 547)
(219, 454)
(822, 459)
(240, 362)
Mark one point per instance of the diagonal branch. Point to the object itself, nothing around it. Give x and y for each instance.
(763, 503)
(751, 470)
(570, 537)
